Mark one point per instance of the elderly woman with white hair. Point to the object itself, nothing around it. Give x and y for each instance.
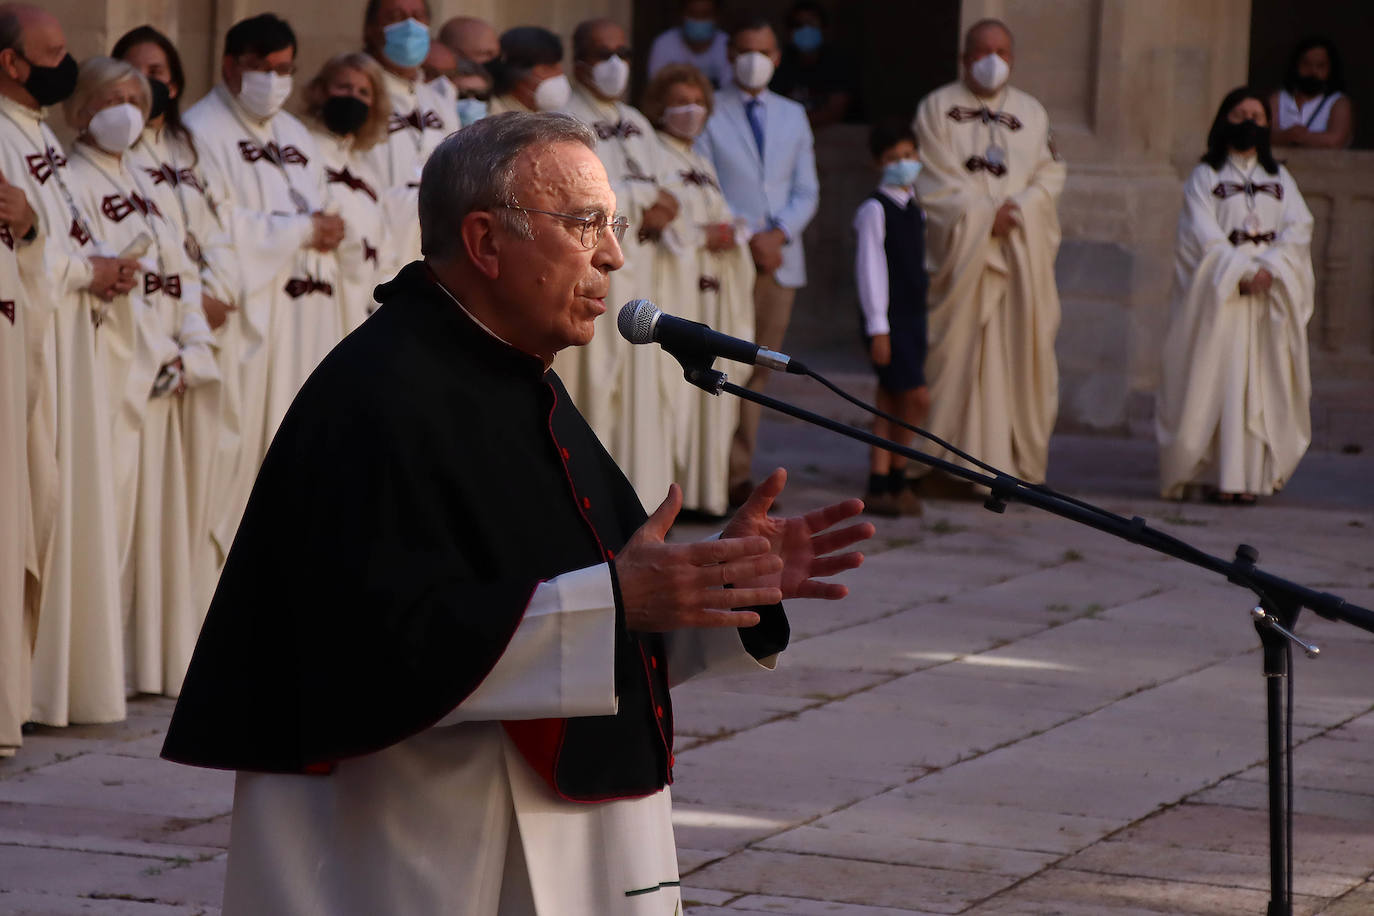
(704, 269)
(156, 345)
(347, 110)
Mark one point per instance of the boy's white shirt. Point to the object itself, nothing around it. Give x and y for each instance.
(870, 258)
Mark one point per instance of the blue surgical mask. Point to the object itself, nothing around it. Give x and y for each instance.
(407, 42)
(470, 110)
(902, 173)
(807, 38)
(698, 31)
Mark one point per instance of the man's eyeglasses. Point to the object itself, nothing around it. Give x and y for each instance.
(624, 52)
(593, 227)
(258, 65)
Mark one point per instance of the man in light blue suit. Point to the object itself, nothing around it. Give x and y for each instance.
(762, 149)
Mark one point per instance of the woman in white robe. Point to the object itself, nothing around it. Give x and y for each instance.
(166, 350)
(347, 110)
(19, 569)
(77, 672)
(1233, 415)
(703, 272)
(167, 155)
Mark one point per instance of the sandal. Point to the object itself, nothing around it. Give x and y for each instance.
(1245, 499)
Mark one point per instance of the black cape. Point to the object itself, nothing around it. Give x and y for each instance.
(425, 480)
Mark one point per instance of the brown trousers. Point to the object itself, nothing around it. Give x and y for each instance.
(772, 312)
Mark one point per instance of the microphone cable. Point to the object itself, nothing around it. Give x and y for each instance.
(931, 437)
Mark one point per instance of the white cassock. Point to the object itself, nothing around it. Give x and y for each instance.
(421, 117)
(368, 253)
(162, 618)
(1233, 400)
(270, 179)
(618, 387)
(453, 820)
(715, 288)
(78, 665)
(19, 569)
(993, 304)
(209, 411)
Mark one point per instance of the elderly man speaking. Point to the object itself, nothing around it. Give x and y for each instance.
(440, 651)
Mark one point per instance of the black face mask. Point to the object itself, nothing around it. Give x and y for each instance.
(162, 97)
(344, 114)
(1311, 85)
(50, 85)
(1244, 136)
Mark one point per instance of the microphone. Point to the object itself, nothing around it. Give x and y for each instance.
(641, 322)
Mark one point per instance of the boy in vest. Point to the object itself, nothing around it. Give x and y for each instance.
(890, 270)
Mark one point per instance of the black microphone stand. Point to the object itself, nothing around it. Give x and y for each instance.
(1279, 600)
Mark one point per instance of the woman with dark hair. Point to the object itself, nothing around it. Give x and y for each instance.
(1312, 108)
(528, 75)
(1232, 415)
(166, 153)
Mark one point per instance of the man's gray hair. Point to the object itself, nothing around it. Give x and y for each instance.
(474, 169)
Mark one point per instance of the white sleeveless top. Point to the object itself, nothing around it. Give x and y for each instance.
(1314, 114)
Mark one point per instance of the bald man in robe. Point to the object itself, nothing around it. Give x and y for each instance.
(990, 188)
(471, 38)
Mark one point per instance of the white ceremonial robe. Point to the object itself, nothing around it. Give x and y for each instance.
(421, 117)
(19, 569)
(715, 288)
(209, 411)
(161, 615)
(368, 253)
(621, 388)
(993, 304)
(453, 821)
(288, 318)
(1233, 406)
(78, 668)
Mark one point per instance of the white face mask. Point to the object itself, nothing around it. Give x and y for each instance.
(753, 70)
(552, 94)
(990, 72)
(684, 121)
(116, 128)
(611, 76)
(263, 94)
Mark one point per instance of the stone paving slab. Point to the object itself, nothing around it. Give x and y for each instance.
(132, 784)
(849, 881)
(1064, 892)
(25, 904)
(1203, 866)
(755, 903)
(1358, 902)
(142, 878)
(872, 846)
(909, 815)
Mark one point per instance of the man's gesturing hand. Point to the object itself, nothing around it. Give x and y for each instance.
(675, 586)
(807, 544)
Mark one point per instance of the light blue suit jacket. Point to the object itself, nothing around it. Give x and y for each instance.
(780, 188)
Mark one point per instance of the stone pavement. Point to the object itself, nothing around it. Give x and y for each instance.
(1010, 715)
